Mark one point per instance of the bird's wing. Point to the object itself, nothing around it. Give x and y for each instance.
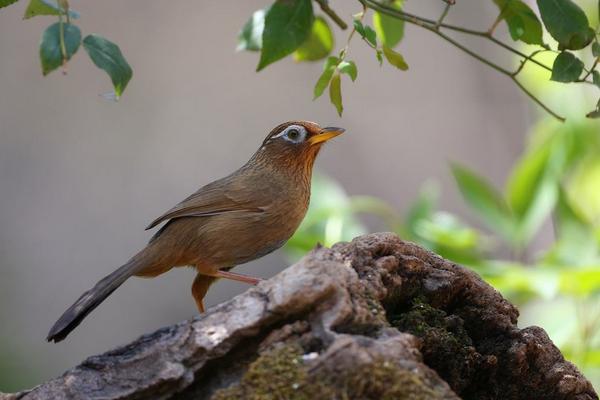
(213, 199)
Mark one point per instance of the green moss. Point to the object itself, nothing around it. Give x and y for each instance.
(279, 374)
(423, 320)
(386, 381)
(447, 347)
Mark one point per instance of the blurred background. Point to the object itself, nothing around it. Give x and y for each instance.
(81, 177)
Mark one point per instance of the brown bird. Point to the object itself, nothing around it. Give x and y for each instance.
(228, 222)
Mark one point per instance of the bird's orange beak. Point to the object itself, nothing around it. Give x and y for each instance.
(325, 134)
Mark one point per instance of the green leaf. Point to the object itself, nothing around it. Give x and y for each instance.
(566, 68)
(423, 207)
(522, 22)
(328, 69)
(390, 30)
(319, 43)
(360, 28)
(335, 93)
(250, 38)
(583, 185)
(395, 58)
(567, 23)
(6, 3)
(366, 32)
(379, 55)
(542, 201)
(526, 178)
(596, 49)
(576, 244)
(108, 57)
(371, 35)
(51, 54)
(485, 200)
(581, 283)
(349, 68)
(532, 187)
(596, 78)
(287, 25)
(46, 7)
(447, 235)
(331, 217)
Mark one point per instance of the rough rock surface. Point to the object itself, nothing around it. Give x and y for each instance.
(377, 318)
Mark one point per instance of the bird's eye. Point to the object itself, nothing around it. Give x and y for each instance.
(295, 134)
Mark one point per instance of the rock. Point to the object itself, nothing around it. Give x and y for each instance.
(377, 318)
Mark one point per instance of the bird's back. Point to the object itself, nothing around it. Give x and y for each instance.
(236, 236)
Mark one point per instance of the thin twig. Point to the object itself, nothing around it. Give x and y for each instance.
(519, 53)
(538, 101)
(61, 38)
(63, 47)
(523, 62)
(497, 21)
(332, 14)
(63, 7)
(431, 26)
(591, 69)
(484, 34)
(344, 51)
(441, 18)
(470, 52)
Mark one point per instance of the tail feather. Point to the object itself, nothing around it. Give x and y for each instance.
(90, 300)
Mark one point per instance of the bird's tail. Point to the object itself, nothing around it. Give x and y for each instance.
(91, 299)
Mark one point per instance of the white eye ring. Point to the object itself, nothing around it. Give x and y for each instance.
(293, 134)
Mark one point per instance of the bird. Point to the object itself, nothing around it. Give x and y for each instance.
(231, 221)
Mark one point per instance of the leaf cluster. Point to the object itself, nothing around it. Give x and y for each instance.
(293, 28)
(290, 27)
(61, 41)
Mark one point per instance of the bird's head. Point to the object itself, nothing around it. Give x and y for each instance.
(295, 144)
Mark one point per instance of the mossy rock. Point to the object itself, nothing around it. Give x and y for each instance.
(281, 374)
(447, 347)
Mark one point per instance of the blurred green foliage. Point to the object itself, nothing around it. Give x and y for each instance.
(332, 217)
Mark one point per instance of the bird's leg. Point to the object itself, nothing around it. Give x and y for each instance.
(237, 277)
(199, 289)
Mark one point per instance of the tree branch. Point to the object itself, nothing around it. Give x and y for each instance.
(591, 69)
(332, 14)
(434, 27)
(444, 13)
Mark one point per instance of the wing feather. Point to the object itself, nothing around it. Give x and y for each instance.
(213, 199)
